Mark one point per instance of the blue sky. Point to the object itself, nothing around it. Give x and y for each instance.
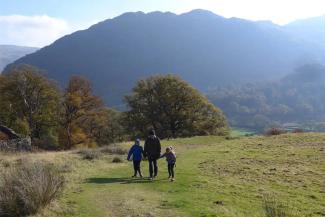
(40, 22)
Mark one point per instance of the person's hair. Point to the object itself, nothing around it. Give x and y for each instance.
(168, 149)
(152, 132)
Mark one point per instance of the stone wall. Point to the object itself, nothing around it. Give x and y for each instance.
(21, 144)
(13, 141)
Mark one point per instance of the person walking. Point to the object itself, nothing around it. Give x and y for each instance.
(152, 150)
(136, 152)
(171, 161)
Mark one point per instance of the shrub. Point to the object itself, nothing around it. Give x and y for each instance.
(89, 154)
(5, 163)
(26, 189)
(274, 208)
(231, 137)
(298, 131)
(274, 131)
(113, 150)
(65, 168)
(117, 160)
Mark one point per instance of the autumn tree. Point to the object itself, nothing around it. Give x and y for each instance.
(173, 108)
(29, 102)
(80, 106)
(105, 126)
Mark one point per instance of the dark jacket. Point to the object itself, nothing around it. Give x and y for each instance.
(170, 157)
(152, 147)
(136, 151)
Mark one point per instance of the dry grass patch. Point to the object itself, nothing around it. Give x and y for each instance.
(89, 154)
(113, 150)
(29, 187)
(275, 208)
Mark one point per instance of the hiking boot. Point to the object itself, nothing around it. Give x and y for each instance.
(172, 179)
(134, 176)
(151, 178)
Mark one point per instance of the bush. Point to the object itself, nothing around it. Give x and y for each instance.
(113, 150)
(273, 208)
(26, 189)
(298, 131)
(274, 131)
(5, 163)
(89, 154)
(117, 160)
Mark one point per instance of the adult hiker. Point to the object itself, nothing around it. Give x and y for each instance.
(152, 150)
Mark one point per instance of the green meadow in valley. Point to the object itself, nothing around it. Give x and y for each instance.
(215, 176)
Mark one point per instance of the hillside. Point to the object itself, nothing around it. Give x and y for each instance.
(214, 177)
(310, 30)
(296, 98)
(10, 53)
(203, 48)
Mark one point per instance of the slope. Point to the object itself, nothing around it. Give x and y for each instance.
(205, 49)
(10, 53)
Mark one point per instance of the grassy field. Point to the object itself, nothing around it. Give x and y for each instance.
(238, 132)
(214, 177)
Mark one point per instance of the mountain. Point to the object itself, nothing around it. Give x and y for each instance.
(296, 98)
(310, 30)
(10, 53)
(306, 74)
(203, 48)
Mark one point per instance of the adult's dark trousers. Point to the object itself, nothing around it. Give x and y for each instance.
(153, 168)
(171, 169)
(136, 167)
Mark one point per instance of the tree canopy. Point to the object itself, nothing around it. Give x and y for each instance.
(29, 102)
(34, 106)
(173, 108)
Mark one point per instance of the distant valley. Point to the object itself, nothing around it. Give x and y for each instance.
(10, 53)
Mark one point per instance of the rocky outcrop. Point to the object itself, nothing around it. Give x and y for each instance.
(15, 142)
(9, 132)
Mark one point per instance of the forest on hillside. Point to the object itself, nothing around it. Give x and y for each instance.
(296, 101)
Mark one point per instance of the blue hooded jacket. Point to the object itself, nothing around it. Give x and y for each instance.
(136, 151)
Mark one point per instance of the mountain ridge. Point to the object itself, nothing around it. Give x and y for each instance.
(10, 53)
(205, 49)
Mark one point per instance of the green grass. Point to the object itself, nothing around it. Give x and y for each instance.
(238, 132)
(214, 177)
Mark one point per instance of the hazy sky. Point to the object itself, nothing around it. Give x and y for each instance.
(40, 22)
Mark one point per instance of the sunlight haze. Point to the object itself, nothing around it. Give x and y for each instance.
(39, 23)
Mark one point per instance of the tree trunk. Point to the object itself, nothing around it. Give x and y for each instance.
(69, 136)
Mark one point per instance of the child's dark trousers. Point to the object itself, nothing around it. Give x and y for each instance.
(136, 166)
(171, 169)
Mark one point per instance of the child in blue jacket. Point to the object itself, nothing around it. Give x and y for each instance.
(136, 152)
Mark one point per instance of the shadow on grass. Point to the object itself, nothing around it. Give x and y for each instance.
(117, 180)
